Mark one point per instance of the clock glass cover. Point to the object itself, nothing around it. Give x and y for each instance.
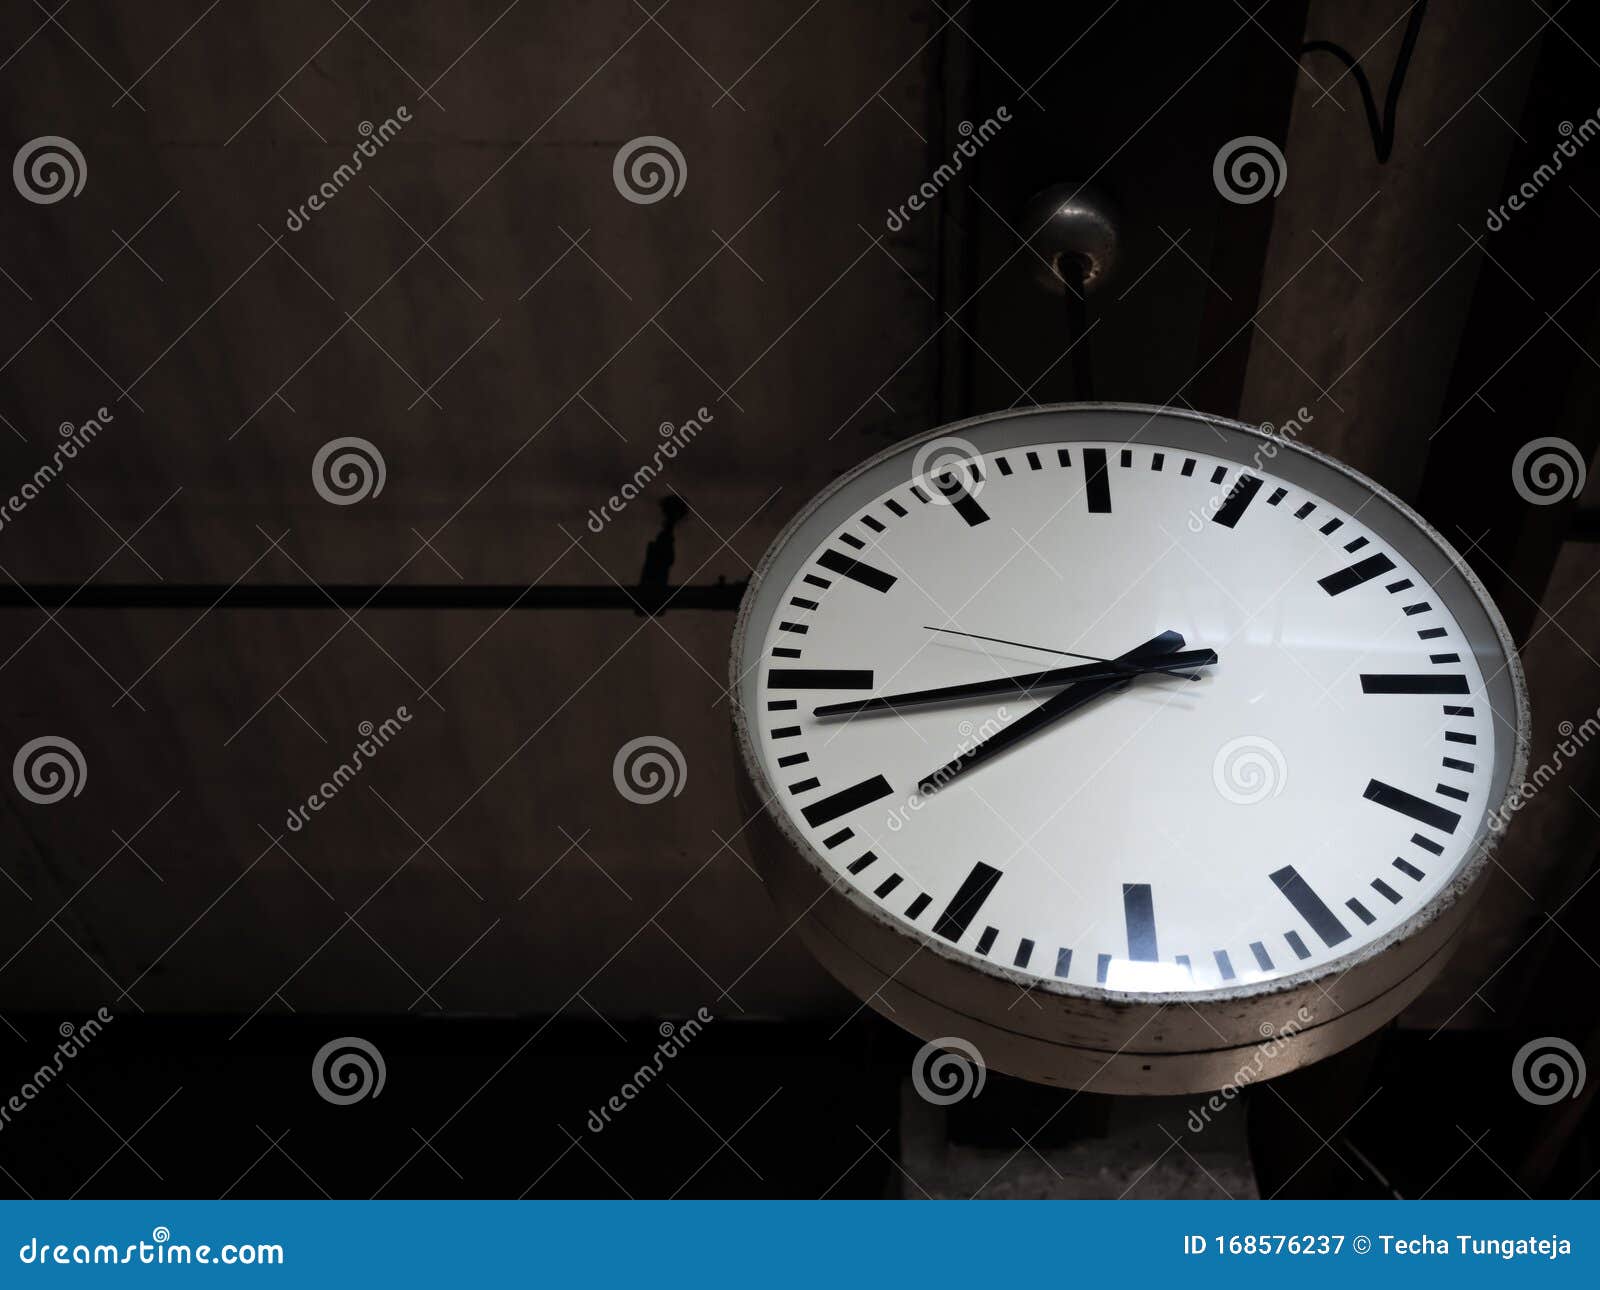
(1208, 827)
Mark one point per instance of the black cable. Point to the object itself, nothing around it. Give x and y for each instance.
(1382, 128)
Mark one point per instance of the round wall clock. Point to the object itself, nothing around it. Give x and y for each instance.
(1132, 746)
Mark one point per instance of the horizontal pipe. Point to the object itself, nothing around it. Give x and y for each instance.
(722, 596)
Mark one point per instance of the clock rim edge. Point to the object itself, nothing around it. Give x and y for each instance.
(1460, 888)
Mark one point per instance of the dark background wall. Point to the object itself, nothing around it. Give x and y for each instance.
(509, 332)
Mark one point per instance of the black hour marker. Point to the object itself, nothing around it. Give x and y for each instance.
(1305, 509)
(865, 574)
(782, 705)
(794, 759)
(915, 908)
(1138, 912)
(1451, 710)
(1096, 483)
(805, 785)
(846, 800)
(1410, 870)
(986, 941)
(1263, 959)
(1063, 457)
(1005, 466)
(1024, 953)
(1394, 588)
(1127, 457)
(1455, 763)
(1386, 891)
(1224, 964)
(1330, 526)
(916, 491)
(1421, 607)
(1353, 576)
(964, 905)
(1278, 494)
(1356, 545)
(867, 857)
(1297, 891)
(1431, 633)
(783, 651)
(895, 506)
(887, 885)
(1297, 945)
(1182, 960)
(1456, 737)
(964, 503)
(1446, 791)
(799, 629)
(1412, 683)
(1397, 799)
(1063, 962)
(1427, 844)
(786, 732)
(1359, 910)
(851, 540)
(819, 678)
(1188, 466)
(1239, 498)
(1158, 461)
(1102, 965)
(816, 581)
(843, 835)
(1219, 474)
(1033, 461)
(800, 602)
(875, 525)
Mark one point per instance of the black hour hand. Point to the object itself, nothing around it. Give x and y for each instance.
(1048, 713)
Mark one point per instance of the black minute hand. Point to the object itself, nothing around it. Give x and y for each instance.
(1049, 712)
(1179, 663)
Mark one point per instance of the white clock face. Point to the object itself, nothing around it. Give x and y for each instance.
(1311, 791)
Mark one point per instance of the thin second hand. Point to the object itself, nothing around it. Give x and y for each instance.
(1045, 649)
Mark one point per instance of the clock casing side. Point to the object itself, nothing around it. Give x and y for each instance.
(1105, 1040)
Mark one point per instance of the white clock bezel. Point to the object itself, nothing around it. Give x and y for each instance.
(1393, 520)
